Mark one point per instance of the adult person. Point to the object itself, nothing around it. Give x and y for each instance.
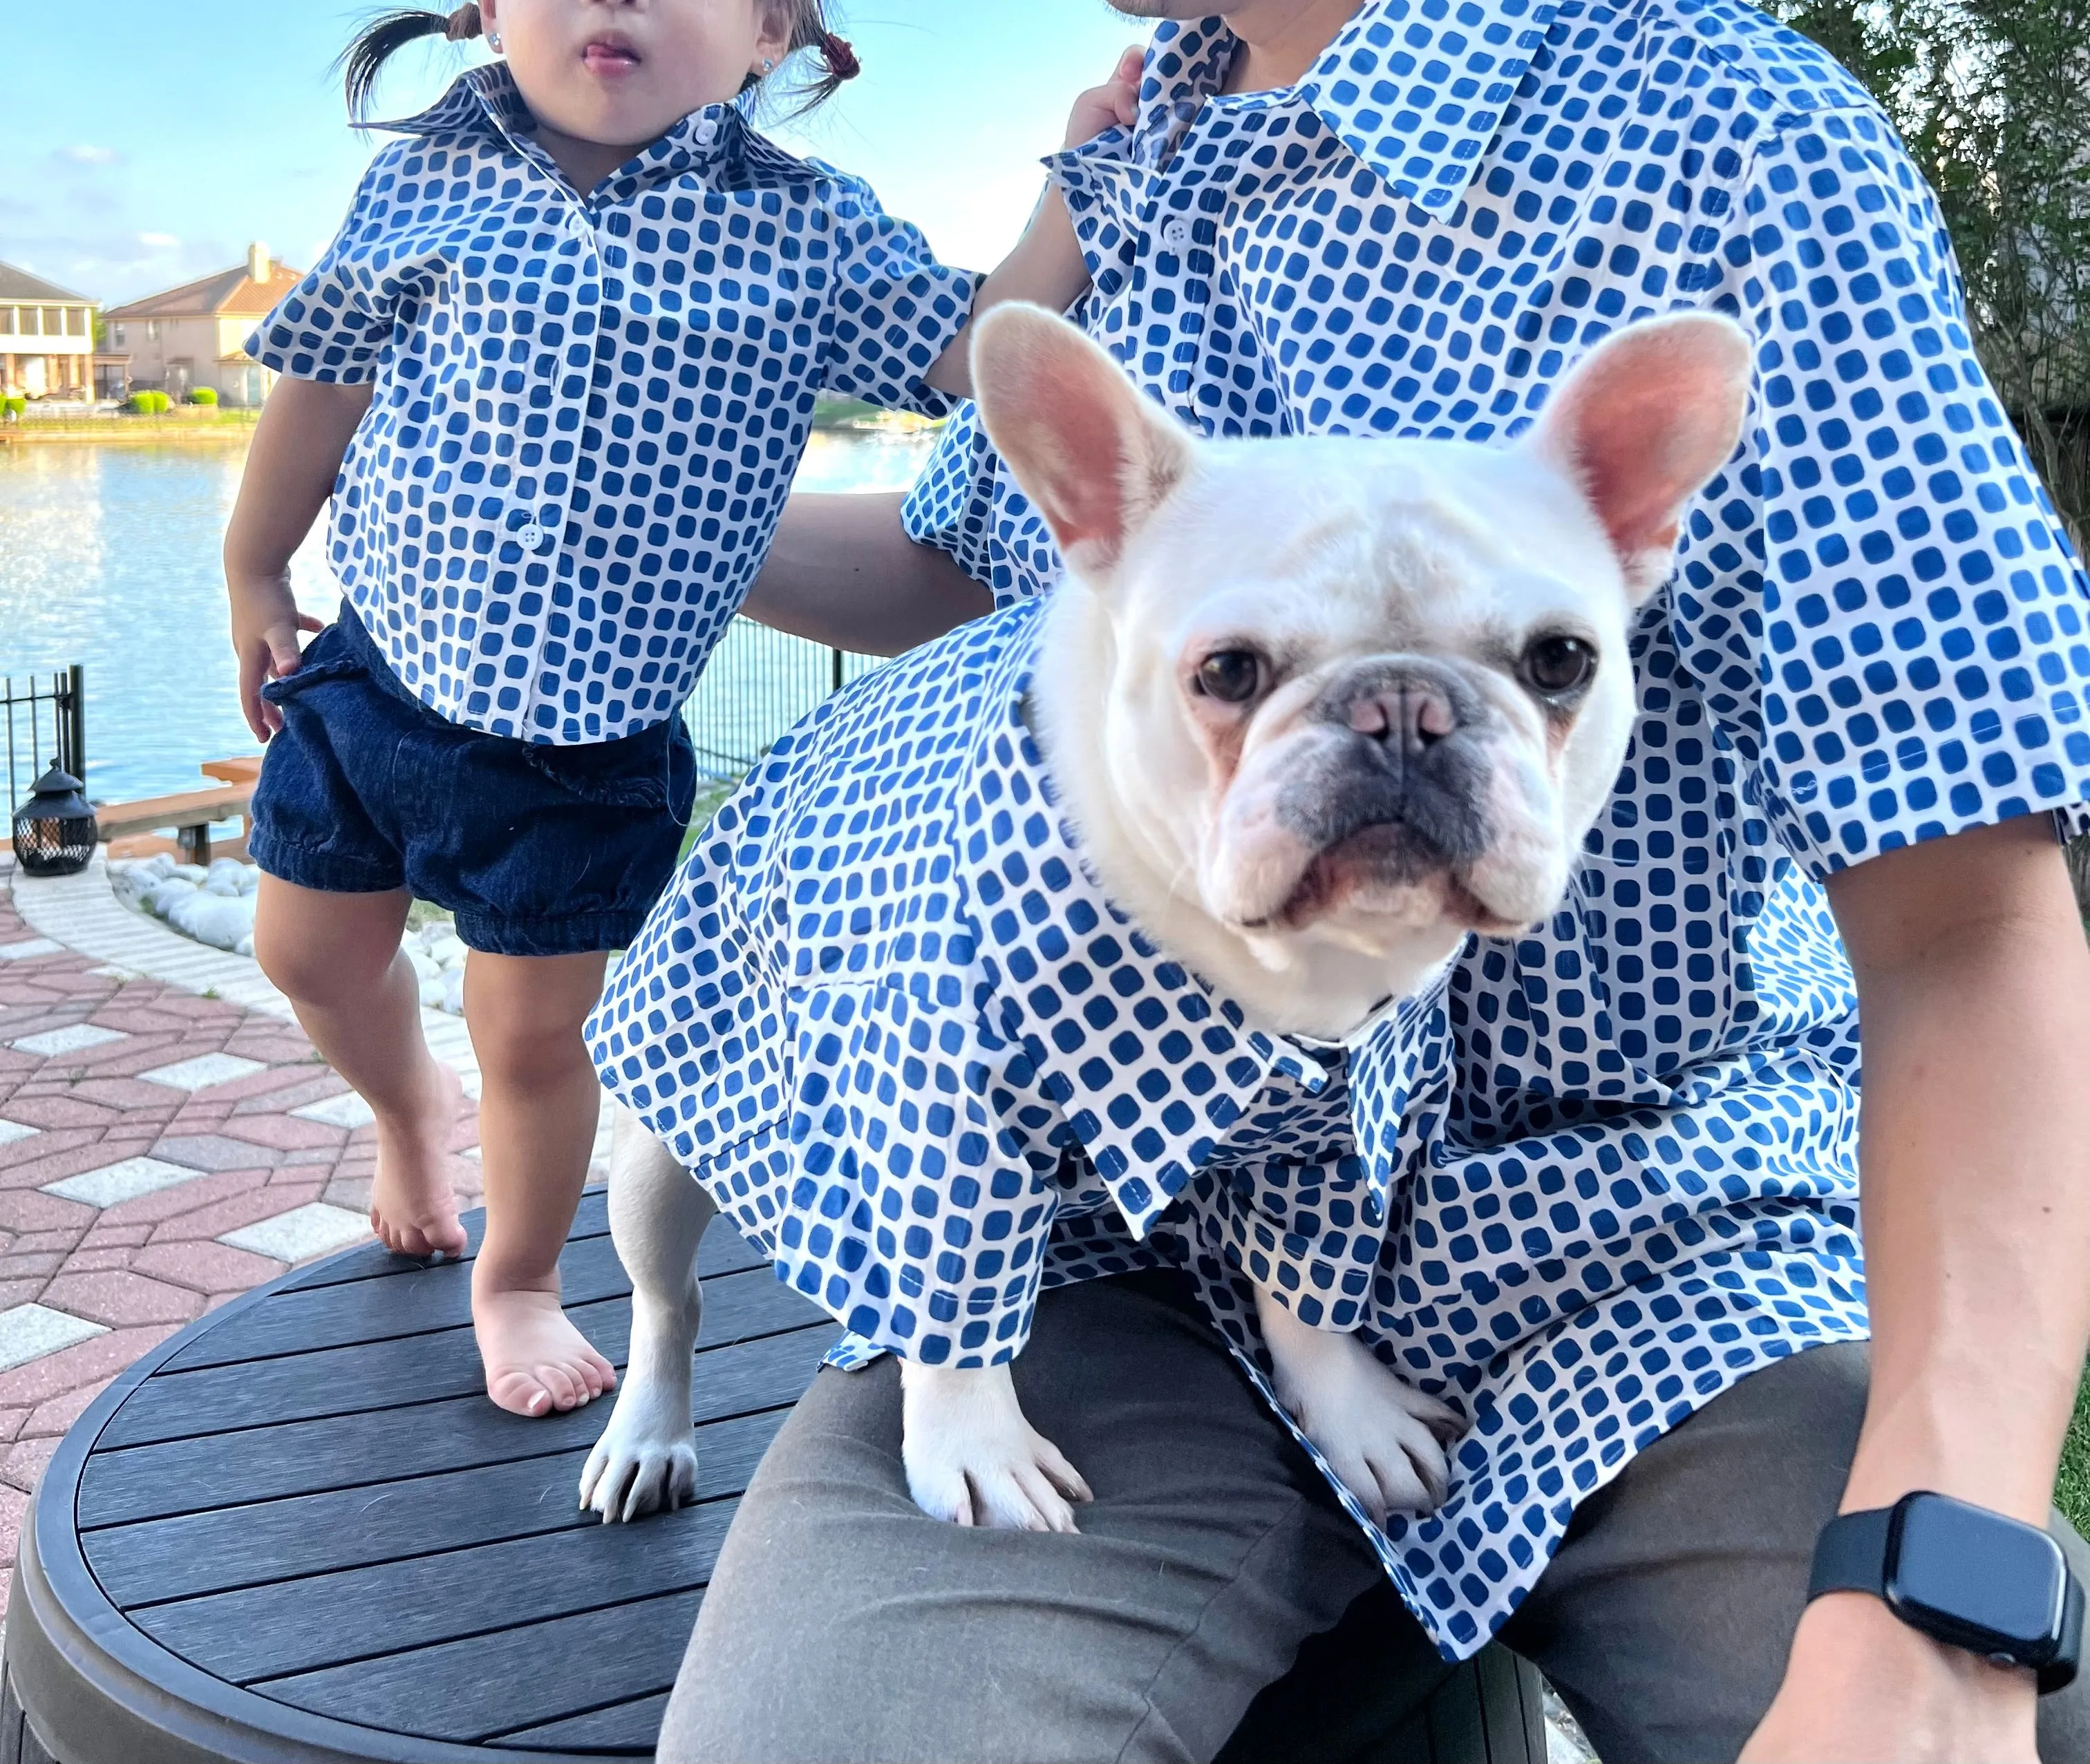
(1861, 696)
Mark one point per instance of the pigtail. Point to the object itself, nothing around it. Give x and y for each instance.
(838, 63)
(832, 55)
(386, 35)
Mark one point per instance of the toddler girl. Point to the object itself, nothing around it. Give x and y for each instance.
(555, 374)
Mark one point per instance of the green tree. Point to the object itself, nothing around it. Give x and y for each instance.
(1993, 100)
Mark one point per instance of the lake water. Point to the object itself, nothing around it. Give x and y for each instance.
(109, 556)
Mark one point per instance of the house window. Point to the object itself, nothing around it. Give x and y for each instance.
(54, 321)
(75, 321)
(152, 330)
(6, 321)
(116, 335)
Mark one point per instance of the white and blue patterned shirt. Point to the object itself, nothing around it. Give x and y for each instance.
(1611, 1166)
(589, 407)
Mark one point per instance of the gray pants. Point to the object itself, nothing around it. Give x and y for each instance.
(843, 1624)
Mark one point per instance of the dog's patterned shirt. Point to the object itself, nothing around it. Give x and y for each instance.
(589, 408)
(885, 1015)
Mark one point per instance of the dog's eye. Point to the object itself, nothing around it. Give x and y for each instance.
(1556, 666)
(1230, 675)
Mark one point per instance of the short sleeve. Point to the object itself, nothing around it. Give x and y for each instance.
(966, 504)
(1885, 615)
(334, 326)
(895, 308)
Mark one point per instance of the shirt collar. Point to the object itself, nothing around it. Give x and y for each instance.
(1149, 1117)
(487, 97)
(1416, 88)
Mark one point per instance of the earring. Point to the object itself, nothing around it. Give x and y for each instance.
(769, 64)
(493, 42)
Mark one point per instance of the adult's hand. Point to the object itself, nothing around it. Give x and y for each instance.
(1974, 990)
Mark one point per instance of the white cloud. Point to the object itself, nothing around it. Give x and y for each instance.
(91, 155)
(159, 242)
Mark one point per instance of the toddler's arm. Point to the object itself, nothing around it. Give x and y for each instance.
(296, 455)
(1046, 267)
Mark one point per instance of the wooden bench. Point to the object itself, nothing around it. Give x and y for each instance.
(190, 815)
(298, 1532)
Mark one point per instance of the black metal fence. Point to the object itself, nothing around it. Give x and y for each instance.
(756, 685)
(46, 725)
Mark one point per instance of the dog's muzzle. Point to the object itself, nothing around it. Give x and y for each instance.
(1399, 781)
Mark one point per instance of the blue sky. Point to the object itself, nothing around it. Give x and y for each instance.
(154, 140)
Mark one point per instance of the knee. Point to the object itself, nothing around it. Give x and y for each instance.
(518, 1046)
(328, 974)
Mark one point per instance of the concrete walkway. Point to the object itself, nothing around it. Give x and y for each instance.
(168, 1139)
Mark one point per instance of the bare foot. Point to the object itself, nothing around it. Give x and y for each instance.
(411, 1206)
(537, 1362)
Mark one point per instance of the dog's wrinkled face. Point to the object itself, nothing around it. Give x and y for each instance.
(1321, 706)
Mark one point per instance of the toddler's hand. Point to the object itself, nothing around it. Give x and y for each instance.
(265, 624)
(1114, 101)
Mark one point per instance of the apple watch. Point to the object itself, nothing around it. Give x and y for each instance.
(1963, 1576)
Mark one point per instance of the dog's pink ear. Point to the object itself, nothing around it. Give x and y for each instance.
(1641, 423)
(1095, 458)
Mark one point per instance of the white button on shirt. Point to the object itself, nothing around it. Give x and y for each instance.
(589, 408)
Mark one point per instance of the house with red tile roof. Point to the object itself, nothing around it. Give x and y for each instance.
(196, 335)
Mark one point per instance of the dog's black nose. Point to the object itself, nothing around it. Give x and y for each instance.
(1409, 712)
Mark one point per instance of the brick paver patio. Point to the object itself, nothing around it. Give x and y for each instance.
(160, 1151)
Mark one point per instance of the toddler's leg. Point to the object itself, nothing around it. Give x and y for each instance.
(337, 957)
(537, 1116)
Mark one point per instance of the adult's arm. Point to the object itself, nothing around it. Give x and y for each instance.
(843, 572)
(1974, 990)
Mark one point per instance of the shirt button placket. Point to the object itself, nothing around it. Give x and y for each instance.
(1174, 239)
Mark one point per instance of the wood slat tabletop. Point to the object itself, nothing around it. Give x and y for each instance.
(307, 1505)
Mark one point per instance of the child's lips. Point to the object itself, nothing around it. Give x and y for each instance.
(608, 56)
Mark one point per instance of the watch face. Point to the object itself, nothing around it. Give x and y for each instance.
(1977, 1574)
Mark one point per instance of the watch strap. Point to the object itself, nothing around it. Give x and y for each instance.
(1851, 1555)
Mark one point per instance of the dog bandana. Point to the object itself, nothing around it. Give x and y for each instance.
(592, 405)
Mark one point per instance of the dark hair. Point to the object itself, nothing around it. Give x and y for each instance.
(809, 36)
(378, 41)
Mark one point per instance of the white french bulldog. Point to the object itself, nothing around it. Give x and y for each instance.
(1317, 708)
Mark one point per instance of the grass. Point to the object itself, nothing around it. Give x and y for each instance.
(2072, 1486)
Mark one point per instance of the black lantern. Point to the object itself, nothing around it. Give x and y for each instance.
(55, 831)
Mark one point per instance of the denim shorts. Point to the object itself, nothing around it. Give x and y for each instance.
(537, 850)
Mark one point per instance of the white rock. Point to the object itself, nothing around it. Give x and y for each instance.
(219, 921)
(431, 994)
(250, 878)
(424, 964)
(159, 866)
(244, 947)
(450, 953)
(453, 991)
(161, 898)
(195, 873)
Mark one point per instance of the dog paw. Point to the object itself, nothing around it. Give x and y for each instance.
(1384, 1438)
(636, 1469)
(973, 1459)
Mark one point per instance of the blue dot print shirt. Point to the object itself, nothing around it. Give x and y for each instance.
(589, 407)
(1598, 1172)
